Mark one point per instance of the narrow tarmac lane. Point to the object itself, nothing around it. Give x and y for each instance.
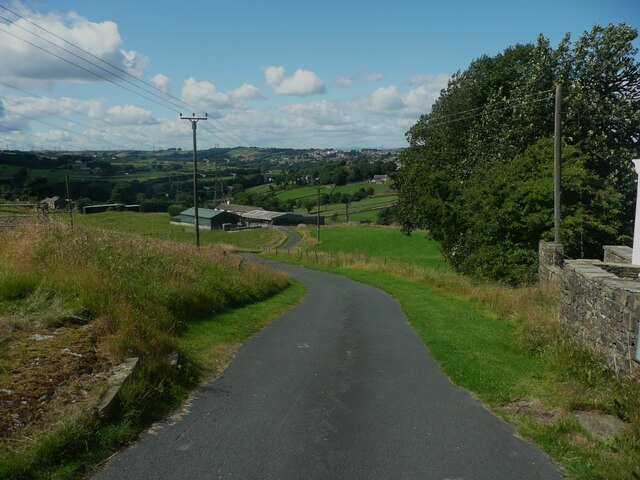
(340, 387)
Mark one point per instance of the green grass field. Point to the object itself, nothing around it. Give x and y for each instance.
(157, 225)
(364, 210)
(308, 192)
(383, 242)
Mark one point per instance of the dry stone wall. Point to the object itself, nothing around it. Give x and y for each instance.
(602, 310)
(550, 260)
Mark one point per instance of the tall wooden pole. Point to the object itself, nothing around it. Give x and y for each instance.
(66, 177)
(318, 212)
(194, 123)
(557, 166)
(195, 183)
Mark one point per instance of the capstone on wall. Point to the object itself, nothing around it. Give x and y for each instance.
(617, 254)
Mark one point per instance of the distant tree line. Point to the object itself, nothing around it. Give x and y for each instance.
(92, 179)
(478, 169)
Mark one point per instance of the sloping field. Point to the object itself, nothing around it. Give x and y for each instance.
(156, 225)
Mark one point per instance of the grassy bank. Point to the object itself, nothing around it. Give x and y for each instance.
(503, 344)
(75, 303)
(156, 225)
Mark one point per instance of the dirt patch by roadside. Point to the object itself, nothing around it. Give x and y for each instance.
(44, 370)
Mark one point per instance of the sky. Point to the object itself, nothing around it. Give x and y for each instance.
(279, 73)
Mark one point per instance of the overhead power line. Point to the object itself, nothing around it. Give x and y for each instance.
(507, 100)
(437, 123)
(51, 114)
(80, 112)
(165, 97)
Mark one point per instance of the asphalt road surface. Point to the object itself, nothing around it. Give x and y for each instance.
(340, 387)
(292, 238)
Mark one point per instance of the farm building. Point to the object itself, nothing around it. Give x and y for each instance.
(238, 209)
(311, 219)
(380, 179)
(207, 218)
(265, 218)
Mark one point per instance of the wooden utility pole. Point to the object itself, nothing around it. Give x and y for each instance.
(318, 212)
(66, 177)
(194, 122)
(557, 166)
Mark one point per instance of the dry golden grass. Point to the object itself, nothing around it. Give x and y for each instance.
(136, 295)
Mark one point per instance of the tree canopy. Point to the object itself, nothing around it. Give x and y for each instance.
(478, 169)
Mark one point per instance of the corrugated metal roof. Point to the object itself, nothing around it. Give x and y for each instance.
(232, 207)
(202, 212)
(263, 215)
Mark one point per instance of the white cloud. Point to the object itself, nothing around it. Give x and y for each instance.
(204, 95)
(302, 83)
(421, 98)
(130, 115)
(134, 62)
(345, 81)
(373, 77)
(162, 82)
(437, 81)
(319, 113)
(379, 117)
(246, 91)
(28, 66)
(386, 98)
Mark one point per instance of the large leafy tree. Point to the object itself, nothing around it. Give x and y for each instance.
(489, 115)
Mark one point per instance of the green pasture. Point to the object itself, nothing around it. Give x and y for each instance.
(383, 242)
(157, 225)
(310, 191)
(366, 209)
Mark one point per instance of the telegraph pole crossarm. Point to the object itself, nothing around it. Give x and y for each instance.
(194, 122)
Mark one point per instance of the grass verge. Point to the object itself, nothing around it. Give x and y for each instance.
(505, 345)
(212, 343)
(74, 303)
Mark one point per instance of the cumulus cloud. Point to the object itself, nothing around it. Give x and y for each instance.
(321, 113)
(373, 77)
(162, 82)
(246, 91)
(438, 80)
(386, 98)
(204, 94)
(427, 90)
(345, 81)
(301, 83)
(421, 98)
(31, 66)
(130, 115)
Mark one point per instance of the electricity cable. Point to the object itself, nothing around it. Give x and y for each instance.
(182, 102)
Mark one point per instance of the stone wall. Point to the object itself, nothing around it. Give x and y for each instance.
(602, 310)
(550, 260)
(617, 254)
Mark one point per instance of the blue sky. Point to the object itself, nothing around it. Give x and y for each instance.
(278, 73)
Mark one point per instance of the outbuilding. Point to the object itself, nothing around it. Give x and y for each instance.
(207, 218)
(266, 218)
